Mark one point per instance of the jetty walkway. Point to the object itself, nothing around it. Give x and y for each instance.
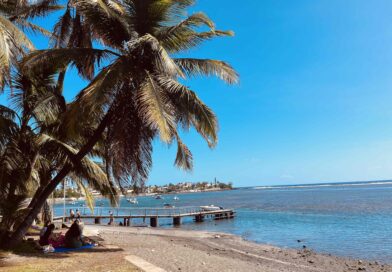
(152, 214)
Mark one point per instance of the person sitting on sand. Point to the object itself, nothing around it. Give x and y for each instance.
(71, 214)
(43, 230)
(77, 214)
(51, 238)
(73, 237)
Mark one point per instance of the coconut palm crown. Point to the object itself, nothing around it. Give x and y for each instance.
(30, 154)
(138, 94)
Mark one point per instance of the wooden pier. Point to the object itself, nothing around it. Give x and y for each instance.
(152, 214)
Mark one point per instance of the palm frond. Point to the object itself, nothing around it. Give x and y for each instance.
(208, 67)
(62, 30)
(85, 190)
(128, 146)
(38, 9)
(87, 169)
(184, 158)
(36, 97)
(53, 60)
(92, 102)
(156, 108)
(190, 109)
(8, 126)
(13, 44)
(185, 34)
(107, 19)
(35, 29)
(15, 34)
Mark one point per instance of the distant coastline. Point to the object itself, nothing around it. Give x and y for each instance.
(60, 200)
(325, 184)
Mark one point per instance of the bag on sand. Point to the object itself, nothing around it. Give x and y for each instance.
(48, 249)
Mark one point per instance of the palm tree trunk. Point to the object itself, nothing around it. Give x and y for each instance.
(17, 236)
(46, 212)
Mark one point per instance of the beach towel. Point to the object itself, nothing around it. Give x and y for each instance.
(65, 249)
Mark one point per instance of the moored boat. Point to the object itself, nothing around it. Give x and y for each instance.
(132, 200)
(211, 208)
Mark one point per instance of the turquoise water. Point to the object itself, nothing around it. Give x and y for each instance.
(351, 220)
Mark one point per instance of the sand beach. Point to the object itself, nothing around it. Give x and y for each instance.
(134, 249)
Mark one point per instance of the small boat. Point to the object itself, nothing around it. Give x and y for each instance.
(132, 200)
(210, 208)
(176, 198)
(168, 205)
(158, 197)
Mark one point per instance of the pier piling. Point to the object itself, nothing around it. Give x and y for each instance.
(154, 222)
(176, 221)
(199, 218)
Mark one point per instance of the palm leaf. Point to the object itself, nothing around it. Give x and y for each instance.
(53, 60)
(87, 169)
(107, 19)
(190, 109)
(184, 158)
(156, 109)
(208, 67)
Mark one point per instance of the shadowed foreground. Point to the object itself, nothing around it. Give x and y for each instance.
(94, 260)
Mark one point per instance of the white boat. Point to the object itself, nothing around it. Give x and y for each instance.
(132, 200)
(210, 208)
(176, 198)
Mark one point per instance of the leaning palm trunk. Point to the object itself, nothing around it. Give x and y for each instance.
(47, 212)
(41, 197)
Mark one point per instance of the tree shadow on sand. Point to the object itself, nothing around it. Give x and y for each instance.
(28, 250)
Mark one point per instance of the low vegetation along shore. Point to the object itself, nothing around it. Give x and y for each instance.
(146, 249)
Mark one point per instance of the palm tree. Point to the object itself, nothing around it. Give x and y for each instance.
(15, 17)
(139, 94)
(30, 153)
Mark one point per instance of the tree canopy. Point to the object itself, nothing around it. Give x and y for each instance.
(127, 50)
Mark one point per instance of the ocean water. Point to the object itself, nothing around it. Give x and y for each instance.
(351, 220)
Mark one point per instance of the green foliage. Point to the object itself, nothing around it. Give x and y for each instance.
(15, 17)
(137, 96)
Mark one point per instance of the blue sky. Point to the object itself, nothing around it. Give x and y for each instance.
(314, 102)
